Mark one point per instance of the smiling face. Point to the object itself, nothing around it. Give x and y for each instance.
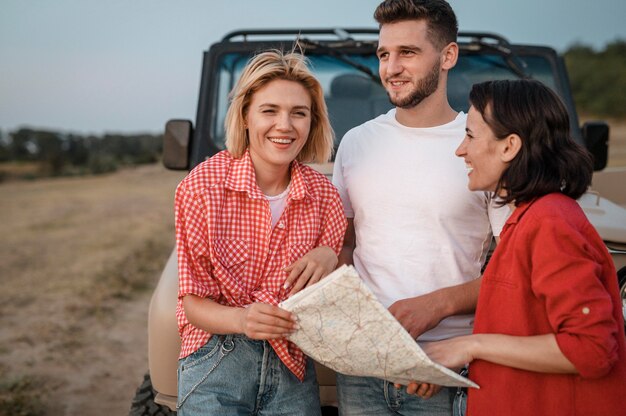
(278, 121)
(485, 156)
(409, 63)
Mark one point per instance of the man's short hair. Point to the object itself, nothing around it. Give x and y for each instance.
(439, 16)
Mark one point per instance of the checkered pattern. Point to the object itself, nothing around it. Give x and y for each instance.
(227, 249)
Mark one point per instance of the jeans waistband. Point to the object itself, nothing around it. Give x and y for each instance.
(465, 373)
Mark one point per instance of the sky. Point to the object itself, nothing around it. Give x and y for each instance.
(127, 66)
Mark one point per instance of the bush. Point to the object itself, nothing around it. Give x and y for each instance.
(598, 79)
(62, 154)
(99, 163)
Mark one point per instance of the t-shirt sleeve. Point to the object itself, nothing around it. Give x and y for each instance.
(192, 246)
(497, 215)
(339, 179)
(567, 275)
(334, 221)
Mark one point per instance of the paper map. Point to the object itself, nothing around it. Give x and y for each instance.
(344, 327)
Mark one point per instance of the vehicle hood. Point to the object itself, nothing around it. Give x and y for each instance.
(608, 218)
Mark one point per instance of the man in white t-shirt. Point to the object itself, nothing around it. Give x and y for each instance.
(416, 235)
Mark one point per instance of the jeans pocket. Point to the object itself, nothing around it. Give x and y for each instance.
(204, 353)
(196, 368)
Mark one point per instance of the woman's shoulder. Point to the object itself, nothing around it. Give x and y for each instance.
(557, 208)
(315, 181)
(555, 203)
(209, 172)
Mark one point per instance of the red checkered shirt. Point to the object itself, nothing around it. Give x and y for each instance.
(227, 249)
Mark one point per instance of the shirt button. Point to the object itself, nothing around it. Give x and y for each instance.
(281, 225)
(585, 311)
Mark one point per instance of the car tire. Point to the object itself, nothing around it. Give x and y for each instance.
(143, 403)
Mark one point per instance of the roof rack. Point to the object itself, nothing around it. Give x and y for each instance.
(347, 34)
(499, 44)
(484, 37)
(339, 33)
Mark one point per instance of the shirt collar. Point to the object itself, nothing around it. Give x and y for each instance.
(519, 211)
(299, 187)
(242, 178)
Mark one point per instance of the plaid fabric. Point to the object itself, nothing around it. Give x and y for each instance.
(227, 249)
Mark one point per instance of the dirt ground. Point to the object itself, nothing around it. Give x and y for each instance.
(78, 260)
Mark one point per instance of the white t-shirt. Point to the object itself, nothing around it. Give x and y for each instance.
(277, 205)
(418, 227)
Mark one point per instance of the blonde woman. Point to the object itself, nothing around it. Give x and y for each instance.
(253, 226)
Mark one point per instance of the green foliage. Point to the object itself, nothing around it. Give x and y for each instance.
(598, 79)
(69, 154)
(101, 162)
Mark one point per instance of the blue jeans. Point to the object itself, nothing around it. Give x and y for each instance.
(367, 396)
(460, 398)
(460, 403)
(233, 375)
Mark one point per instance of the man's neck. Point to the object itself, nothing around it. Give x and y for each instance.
(433, 111)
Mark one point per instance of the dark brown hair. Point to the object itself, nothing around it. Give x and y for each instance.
(549, 159)
(442, 24)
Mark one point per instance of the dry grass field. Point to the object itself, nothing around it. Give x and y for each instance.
(78, 260)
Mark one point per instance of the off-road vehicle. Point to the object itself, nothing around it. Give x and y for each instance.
(344, 61)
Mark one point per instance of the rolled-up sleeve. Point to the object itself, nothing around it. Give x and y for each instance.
(568, 275)
(339, 181)
(192, 246)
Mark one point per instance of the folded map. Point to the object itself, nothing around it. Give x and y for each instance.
(344, 327)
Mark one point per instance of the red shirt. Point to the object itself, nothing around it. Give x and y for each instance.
(229, 252)
(551, 273)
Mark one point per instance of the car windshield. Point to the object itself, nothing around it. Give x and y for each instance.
(353, 97)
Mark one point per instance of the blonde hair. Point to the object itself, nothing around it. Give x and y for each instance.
(262, 69)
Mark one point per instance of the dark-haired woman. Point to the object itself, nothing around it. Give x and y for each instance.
(548, 337)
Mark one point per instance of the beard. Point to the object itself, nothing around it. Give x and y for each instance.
(424, 88)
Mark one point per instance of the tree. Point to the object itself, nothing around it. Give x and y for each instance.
(598, 79)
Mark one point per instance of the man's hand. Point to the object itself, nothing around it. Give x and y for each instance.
(310, 269)
(264, 321)
(418, 315)
(423, 390)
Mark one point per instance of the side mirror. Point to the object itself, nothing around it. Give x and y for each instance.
(596, 136)
(176, 144)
